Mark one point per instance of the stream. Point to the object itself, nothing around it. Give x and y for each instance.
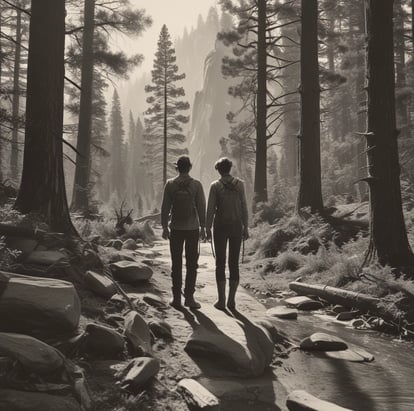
(386, 384)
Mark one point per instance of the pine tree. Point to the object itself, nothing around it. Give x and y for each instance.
(116, 137)
(163, 119)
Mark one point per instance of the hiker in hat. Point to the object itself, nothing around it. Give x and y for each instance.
(227, 207)
(183, 208)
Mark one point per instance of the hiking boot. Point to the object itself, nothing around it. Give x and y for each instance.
(191, 303)
(221, 291)
(231, 302)
(176, 300)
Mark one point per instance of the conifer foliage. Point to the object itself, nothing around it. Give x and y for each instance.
(164, 119)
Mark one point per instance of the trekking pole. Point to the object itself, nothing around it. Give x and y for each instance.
(243, 252)
(212, 249)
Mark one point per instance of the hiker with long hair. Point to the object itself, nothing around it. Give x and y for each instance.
(183, 222)
(227, 214)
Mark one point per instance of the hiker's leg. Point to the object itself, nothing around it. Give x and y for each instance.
(191, 258)
(176, 249)
(235, 242)
(220, 244)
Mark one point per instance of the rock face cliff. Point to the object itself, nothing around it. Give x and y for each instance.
(208, 121)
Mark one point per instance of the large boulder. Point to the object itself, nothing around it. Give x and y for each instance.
(48, 257)
(303, 401)
(103, 341)
(323, 342)
(33, 355)
(33, 305)
(100, 284)
(242, 348)
(11, 400)
(137, 333)
(131, 272)
(139, 372)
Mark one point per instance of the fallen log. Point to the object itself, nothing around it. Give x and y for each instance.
(152, 217)
(363, 302)
(333, 295)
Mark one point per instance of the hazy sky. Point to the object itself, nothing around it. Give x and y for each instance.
(176, 14)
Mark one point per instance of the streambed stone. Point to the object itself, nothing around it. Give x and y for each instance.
(304, 303)
(303, 401)
(282, 312)
(323, 342)
(131, 272)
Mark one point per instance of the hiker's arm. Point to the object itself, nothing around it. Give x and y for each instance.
(201, 205)
(166, 207)
(245, 212)
(211, 207)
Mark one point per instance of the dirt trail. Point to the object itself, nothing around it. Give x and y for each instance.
(264, 393)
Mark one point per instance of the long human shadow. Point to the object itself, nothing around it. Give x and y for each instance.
(218, 366)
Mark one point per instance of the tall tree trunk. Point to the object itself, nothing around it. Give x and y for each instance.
(310, 187)
(165, 147)
(80, 198)
(260, 179)
(401, 103)
(14, 153)
(361, 145)
(388, 241)
(1, 85)
(42, 187)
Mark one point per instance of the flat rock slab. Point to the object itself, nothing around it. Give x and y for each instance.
(239, 346)
(39, 305)
(129, 244)
(283, 313)
(131, 272)
(46, 257)
(138, 373)
(197, 397)
(100, 284)
(34, 355)
(103, 341)
(11, 400)
(137, 333)
(154, 300)
(323, 342)
(352, 354)
(303, 401)
(304, 303)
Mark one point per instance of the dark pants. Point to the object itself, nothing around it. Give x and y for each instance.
(231, 234)
(177, 240)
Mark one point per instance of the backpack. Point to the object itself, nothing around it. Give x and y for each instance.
(183, 206)
(229, 207)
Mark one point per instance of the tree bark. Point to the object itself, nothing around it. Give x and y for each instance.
(1, 78)
(42, 187)
(165, 129)
(310, 187)
(14, 152)
(80, 198)
(388, 237)
(260, 179)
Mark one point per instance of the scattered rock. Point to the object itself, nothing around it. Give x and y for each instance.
(323, 342)
(12, 400)
(129, 244)
(359, 323)
(39, 305)
(197, 397)
(34, 355)
(161, 329)
(131, 272)
(138, 373)
(303, 401)
(272, 330)
(337, 309)
(115, 243)
(138, 333)
(103, 341)
(304, 303)
(154, 300)
(346, 316)
(100, 284)
(346, 355)
(282, 312)
(243, 349)
(47, 257)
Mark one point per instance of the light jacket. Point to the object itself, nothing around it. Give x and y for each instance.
(196, 219)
